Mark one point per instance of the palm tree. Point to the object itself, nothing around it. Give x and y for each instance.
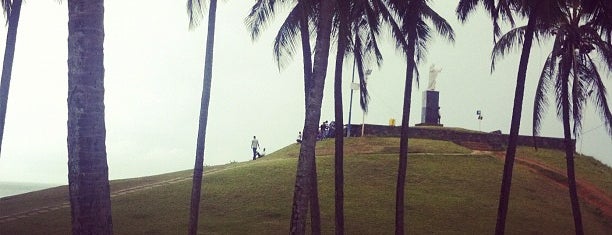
(12, 10)
(194, 9)
(298, 20)
(538, 13)
(416, 32)
(284, 45)
(87, 167)
(570, 66)
(354, 20)
(306, 162)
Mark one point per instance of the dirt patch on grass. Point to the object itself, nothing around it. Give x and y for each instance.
(587, 191)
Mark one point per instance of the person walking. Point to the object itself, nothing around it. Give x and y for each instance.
(254, 146)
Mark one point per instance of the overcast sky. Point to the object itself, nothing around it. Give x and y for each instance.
(153, 80)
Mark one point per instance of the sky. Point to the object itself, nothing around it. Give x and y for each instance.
(153, 81)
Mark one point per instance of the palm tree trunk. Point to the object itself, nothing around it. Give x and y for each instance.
(403, 155)
(339, 122)
(88, 170)
(315, 215)
(504, 196)
(569, 154)
(305, 181)
(198, 169)
(7, 65)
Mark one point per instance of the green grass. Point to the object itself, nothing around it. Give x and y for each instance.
(446, 194)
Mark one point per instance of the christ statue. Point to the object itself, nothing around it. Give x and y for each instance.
(433, 74)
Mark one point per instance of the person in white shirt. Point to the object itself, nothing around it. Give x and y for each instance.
(262, 153)
(254, 146)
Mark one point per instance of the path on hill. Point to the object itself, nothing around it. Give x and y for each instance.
(114, 193)
(587, 191)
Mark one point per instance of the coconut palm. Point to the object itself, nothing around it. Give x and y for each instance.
(284, 46)
(194, 9)
(298, 20)
(306, 187)
(12, 10)
(416, 32)
(306, 161)
(537, 13)
(87, 167)
(356, 26)
(570, 66)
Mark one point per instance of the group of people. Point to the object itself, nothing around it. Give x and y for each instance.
(327, 130)
(255, 147)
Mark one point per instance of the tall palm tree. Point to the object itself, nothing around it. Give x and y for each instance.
(87, 167)
(284, 45)
(297, 21)
(570, 66)
(416, 32)
(194, 10)
(353, 20)
(306, 162)
(537, 13)
(12, 10)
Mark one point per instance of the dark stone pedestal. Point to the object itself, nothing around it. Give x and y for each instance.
(430, 113)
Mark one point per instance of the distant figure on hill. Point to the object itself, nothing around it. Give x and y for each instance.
(299, 138)
(331, 129)
(262, 153)
(323, 132)
(254, 146)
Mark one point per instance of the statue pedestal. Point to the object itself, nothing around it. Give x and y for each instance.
(430, 113)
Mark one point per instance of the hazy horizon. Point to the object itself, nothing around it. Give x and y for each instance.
(153, 83)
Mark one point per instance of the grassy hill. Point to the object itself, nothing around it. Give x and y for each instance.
(449, 191)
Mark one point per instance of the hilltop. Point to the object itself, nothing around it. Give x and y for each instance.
(451, 189)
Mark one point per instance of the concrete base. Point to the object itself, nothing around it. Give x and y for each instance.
(430, 113)
(429, 124)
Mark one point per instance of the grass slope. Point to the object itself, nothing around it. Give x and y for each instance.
(446, 194)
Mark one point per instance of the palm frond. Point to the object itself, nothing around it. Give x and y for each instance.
(512, 39)
(540, 101)
(579, 91)
(565, 70)
(364, 97)
(602, 48)
(504, 13)
(261, 14)
(599, 97)
(286, 39)
(195, 11)
(441, 25)
(465, 8)
(7, 7)
(394, 23)
(423, 35)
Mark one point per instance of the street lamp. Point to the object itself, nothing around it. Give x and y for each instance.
(355, 86)
(348, 129)
(479, 114)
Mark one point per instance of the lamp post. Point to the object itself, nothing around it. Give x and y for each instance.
(479, 113)
(348, 128)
